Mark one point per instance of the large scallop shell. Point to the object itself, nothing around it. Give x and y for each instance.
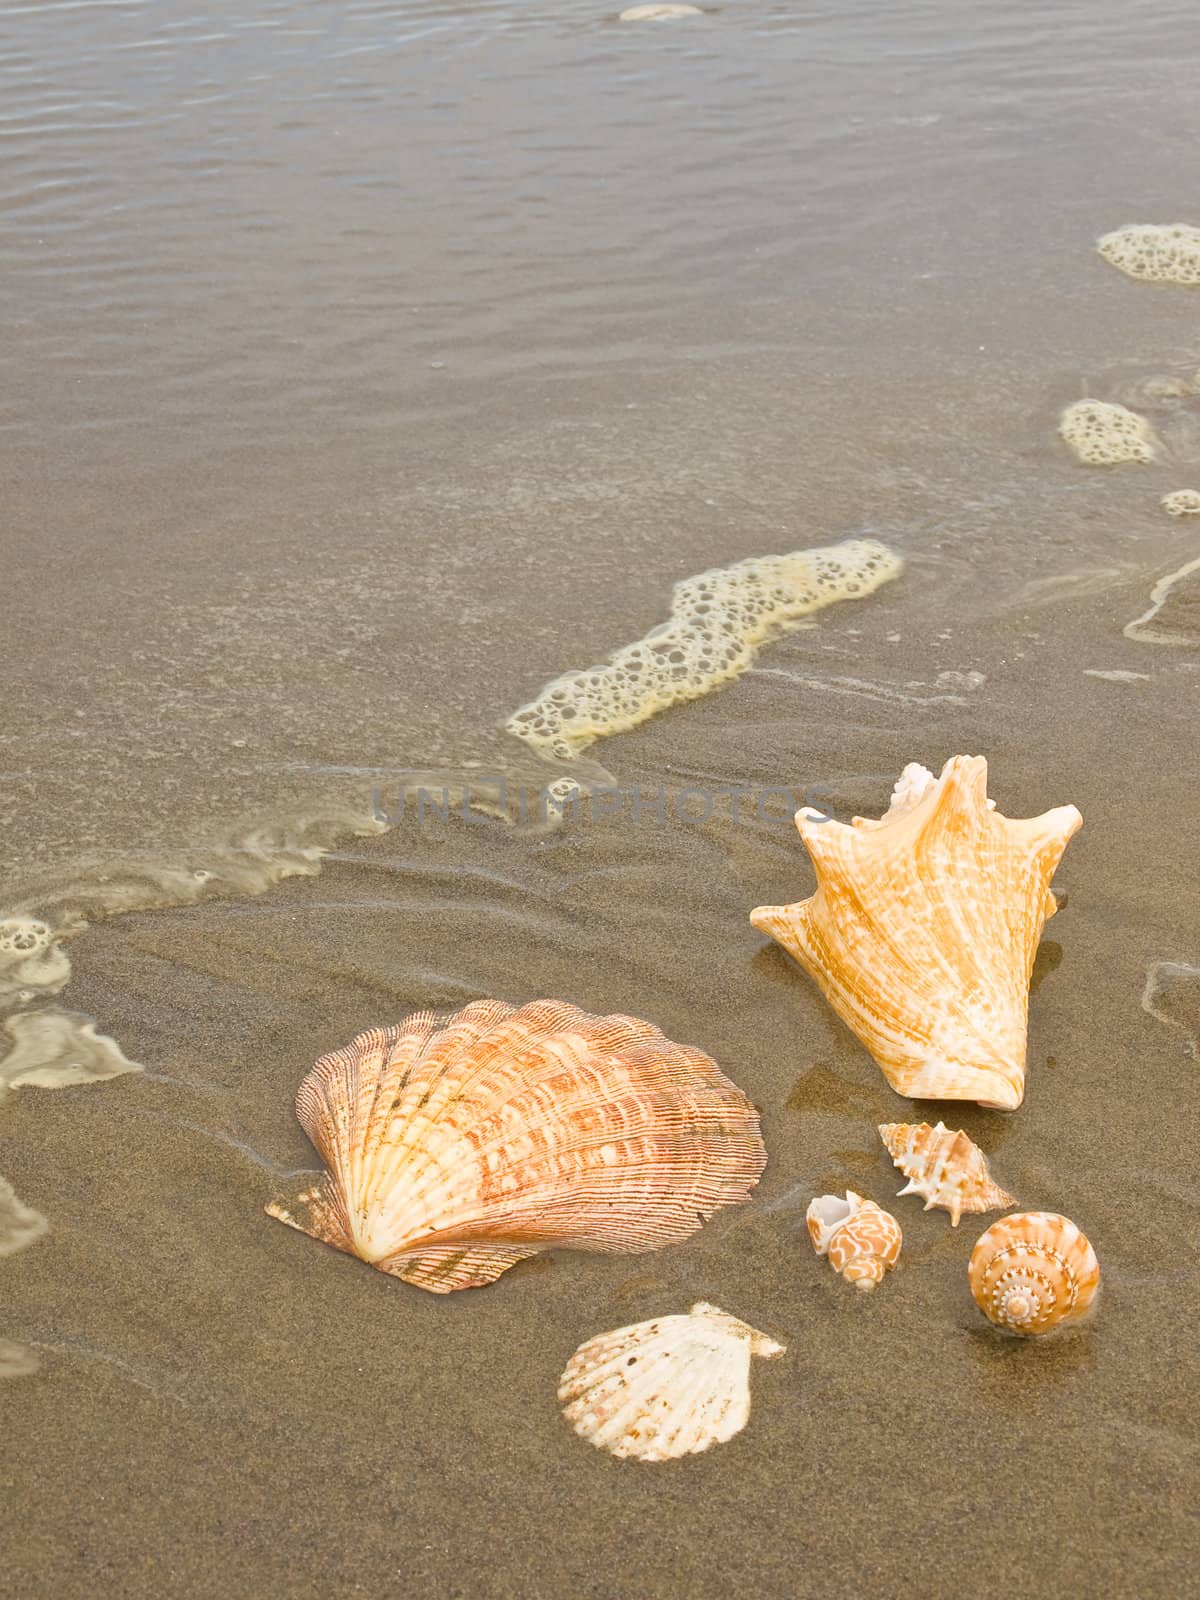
(665, 1388)
(1033, 1272)
(924, 927)
(946, 1168)
(860, 1239)
(457, 1146)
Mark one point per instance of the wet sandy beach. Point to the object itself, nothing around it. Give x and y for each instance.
(366, 374)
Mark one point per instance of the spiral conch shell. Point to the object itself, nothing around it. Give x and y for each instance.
(860, 1239)
(669, 1387)
(924, 927)
(456, 1146)
(1033, 1272)
(946, 1168)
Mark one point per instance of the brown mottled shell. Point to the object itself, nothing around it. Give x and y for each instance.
(924, 927)
(456, 1146)
(946, 1168)
(1033, 1272)
(670, 1387)
(860, 1239)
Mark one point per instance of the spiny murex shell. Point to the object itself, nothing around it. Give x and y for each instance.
(946, 1168)
(860, 1239)
(1033, 1272)
(456, 1146)
(924, 927)
(665, 1388)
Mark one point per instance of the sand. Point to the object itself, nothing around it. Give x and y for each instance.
(321, 463)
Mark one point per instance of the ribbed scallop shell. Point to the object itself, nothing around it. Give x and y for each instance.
(457, 1146)
(946, 1168)
(860, 1239)
(924, 927)
(1033, 1272)
(665, 1388)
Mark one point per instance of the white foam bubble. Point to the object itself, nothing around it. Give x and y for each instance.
(54, 1049)
(1104, 435)
(1154, 252)
(1172, 995)
(659, 13)
(17, 1360)
(20, 1225)
(1182, 503)
(718, 620)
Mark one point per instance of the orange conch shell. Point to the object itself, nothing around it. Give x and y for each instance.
(860, 1239)
(455, 1146)
(947, 1169)
(667, 1388)
(1033, 1272)
(924, 927)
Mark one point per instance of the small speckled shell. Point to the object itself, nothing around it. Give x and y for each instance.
(946, 1168)
(456, 1146)
(669, 1387)
(1033, 1272)
(924, 927)
(860, 1239)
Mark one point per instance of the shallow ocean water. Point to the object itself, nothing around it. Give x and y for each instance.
(369, 368)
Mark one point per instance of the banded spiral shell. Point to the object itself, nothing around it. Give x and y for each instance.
(946, 1168)
(924, 927)
(860, 1239)
(456, 1146)
(1033, 1272)
(669, 1387)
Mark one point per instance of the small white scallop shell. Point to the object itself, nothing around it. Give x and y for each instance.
(669, 1387)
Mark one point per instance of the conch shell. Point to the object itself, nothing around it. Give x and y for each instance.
(947, 1169)
(456, 1146)
(860, 1239)
(923, 930)
(1033, 1272)
(666, 1388)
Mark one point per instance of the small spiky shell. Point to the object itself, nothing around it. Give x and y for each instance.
(665, 1388)
(456, 1146)
(860, 1239)
(924, 927)
(1033, 1272)
(946, 1168)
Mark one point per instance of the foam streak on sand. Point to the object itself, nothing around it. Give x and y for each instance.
(1151, 627)
(718, 620)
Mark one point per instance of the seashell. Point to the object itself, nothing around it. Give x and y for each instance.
(861, 1240)
(924, 927)
(1033, 1272)
(666, 1388)
(947, 1169)
(456, 1146)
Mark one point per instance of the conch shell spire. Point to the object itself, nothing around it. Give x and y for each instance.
(924, 927)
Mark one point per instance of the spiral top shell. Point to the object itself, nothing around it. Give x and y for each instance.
(457, 1146)
(1033, 1272)
(924, 927)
